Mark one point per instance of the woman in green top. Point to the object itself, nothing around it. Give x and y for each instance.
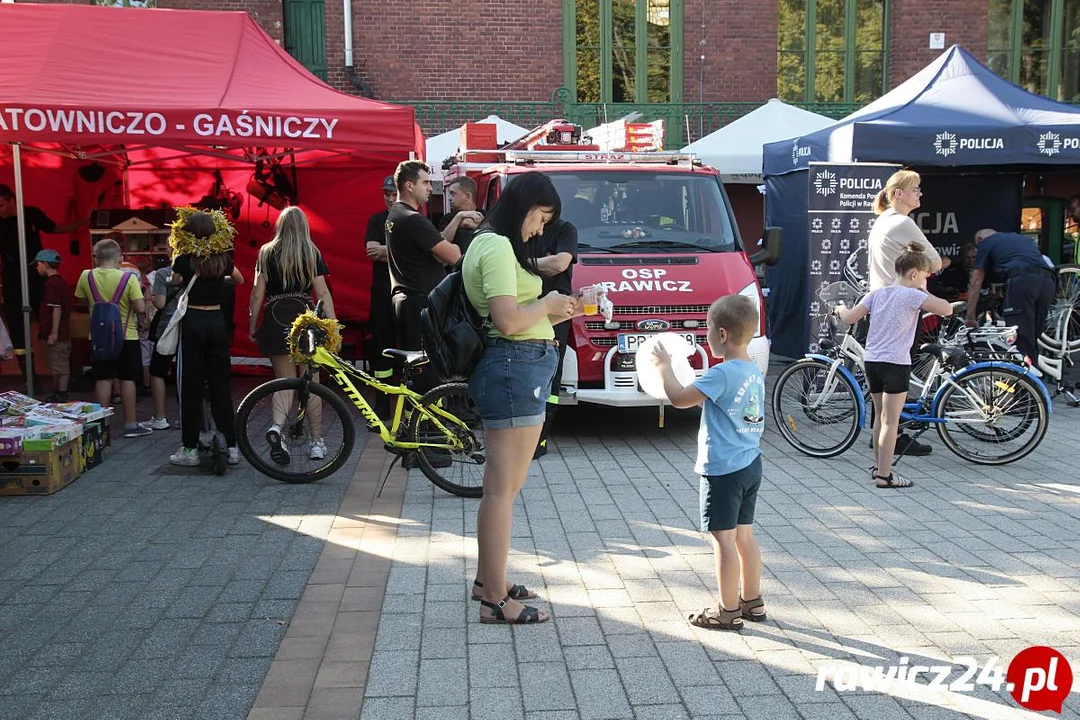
(512, 381)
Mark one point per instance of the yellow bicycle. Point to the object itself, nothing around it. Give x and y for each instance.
(297, 430)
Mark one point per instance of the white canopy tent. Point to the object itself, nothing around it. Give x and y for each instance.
(443, 146)
(736, 148)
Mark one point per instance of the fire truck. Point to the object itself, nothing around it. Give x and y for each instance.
(655, 229)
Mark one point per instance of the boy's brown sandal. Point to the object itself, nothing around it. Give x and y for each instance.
(747, 607)
(712, 618)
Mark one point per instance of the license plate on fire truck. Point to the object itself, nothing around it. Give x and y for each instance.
(628, 343)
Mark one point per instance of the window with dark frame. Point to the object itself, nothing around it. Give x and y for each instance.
(832, 51)
(1036, 44)
(623, 51)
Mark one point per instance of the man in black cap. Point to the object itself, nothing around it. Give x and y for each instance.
(381, 321)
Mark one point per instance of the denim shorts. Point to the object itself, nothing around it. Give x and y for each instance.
(512, 381)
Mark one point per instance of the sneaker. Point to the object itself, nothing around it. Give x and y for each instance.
(185, 456)
(234, 455)
(156, 423)
(541, 450)
(318, 450)
(907, 445)
(279, 452)
(134, 431)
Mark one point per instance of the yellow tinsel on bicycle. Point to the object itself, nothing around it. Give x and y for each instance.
(183, 242)
(308, 320)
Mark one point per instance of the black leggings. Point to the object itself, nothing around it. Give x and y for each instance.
(204, 360)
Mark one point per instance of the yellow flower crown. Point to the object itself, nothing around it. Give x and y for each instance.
(307, 320)
(183, 242)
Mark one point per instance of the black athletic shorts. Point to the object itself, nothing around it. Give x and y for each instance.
(126, 367)
(160, 364)
(888, 378)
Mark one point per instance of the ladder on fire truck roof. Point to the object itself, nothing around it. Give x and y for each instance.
(598, 156)
(563, 142)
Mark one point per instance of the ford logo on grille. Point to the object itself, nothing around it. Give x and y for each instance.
(653, 325)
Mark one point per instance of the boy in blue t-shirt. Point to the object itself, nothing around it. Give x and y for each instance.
(732, 396)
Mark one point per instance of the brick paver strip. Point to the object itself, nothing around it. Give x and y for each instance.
(321, 668)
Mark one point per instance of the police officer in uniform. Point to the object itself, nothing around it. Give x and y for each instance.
(557, 249)
(418, 258)
(381, 321)
(1030, 284)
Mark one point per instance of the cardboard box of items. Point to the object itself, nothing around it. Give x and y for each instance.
(39, 473)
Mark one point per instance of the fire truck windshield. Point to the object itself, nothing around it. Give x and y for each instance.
(621, 211)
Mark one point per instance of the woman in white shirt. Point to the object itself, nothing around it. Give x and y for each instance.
(894, 230)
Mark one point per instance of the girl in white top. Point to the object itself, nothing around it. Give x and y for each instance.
(894, 231)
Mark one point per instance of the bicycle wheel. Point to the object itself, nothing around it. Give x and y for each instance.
(453, 421)
(1063, 319)
(304, 412)
(993, 416)
(816, 408)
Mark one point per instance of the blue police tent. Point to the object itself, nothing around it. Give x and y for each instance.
(953, 113)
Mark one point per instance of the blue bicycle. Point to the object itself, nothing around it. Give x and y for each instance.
(989, 413)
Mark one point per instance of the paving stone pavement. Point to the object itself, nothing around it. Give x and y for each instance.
(974, 561)
(143, 590)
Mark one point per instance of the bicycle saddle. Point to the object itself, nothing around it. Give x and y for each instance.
(408, 358)
(948, 355)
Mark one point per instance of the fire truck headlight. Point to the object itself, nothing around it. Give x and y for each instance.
(612, 325)
(751, 291)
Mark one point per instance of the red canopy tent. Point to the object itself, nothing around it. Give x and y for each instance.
(93, 82)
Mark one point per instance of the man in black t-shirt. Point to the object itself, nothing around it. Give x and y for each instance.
(37, 222)
(461, 222)
(381, 321)
(418, 258)
(557, 249)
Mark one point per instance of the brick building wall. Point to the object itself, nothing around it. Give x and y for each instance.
(266, 12)
(964, 22)
(512, 50)
(739, 48)
(454, 49)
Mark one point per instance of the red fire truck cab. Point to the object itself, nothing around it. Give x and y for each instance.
(656, 229)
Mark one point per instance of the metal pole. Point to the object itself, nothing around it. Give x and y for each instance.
(20, 216)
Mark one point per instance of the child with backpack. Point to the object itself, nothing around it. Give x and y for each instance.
(115, 301)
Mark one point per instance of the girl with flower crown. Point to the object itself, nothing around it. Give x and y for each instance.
(202, 246)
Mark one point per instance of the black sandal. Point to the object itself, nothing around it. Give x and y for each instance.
(893, 481)
(528, 616)
(717, 619)
(517, 592)
(747, 607)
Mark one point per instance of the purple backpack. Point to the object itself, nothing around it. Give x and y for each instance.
(107, 330)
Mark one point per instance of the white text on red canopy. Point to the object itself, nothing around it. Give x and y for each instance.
(115, 122)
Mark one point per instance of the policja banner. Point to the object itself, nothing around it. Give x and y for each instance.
(955, 207)
(841, 208)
